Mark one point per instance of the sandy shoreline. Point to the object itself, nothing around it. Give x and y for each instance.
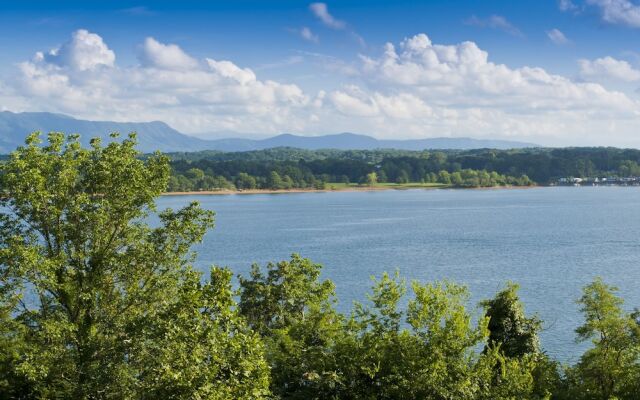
(349, 189)
(270, 191)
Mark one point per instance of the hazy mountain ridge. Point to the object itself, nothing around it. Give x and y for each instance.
(156, 135)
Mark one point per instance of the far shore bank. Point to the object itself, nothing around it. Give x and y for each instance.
(340, 189)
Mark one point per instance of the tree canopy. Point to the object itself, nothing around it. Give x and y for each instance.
(99, 304)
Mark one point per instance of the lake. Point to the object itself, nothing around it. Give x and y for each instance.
(552, 241)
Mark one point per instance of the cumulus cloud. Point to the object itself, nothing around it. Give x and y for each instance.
(165, 56)
(494, 22)
(227, 69)
(353, 101)
(608, 68)
(415, 88)
(168, 85)
(462, 75)
(85, 51)
(463, 88)
(557, 37)
(321, 11)
(621, 12)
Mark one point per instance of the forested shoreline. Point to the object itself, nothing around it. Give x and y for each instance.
(280, 169)
(288, 168)
(95, 303)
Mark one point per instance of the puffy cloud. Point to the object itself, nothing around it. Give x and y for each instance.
(557, 37)
(229, 70)
(622, 12)
(456, 89)
(321, 11)
(462, 75)
(353, 105)
(353, 101)
(494, 22)
(169, 85)
(416, 88)
(608, 68)
(164, 56)
(85, 51)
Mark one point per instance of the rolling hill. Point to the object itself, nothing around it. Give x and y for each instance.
(156, 135)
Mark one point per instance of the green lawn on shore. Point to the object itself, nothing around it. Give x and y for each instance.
(389, 185)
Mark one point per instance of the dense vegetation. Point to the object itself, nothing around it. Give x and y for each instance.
(285, 168)
(97, 304)
(277, 169)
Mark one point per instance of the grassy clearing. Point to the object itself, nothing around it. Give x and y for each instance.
(412, 185)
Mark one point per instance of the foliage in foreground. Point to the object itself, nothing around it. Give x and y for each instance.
(97, 304)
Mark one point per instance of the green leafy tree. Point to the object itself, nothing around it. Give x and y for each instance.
(456, 178)
(245, 181)
(629, 168)
(421, 351)
(293, 311)
(371, 179)
(275, 181)
(403, 177)
(513, 348)
(509, 328)
(444, 177)
(101, 305)
(382, 176)
(195, 173)
(319, 184)
(287, 182)
(611, 368)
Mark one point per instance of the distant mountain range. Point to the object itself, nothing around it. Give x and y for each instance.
(14, 128)
(156, 135)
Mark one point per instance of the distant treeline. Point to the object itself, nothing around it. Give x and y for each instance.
(284, 168)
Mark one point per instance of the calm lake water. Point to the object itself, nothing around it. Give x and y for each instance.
(552, 241)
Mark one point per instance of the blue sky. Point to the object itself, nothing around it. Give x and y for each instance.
(555, 72)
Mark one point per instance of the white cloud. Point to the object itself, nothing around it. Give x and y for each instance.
(353, 105)
(622, 12)
(461, 75)
(557, 37)
(608, 68)
(164, 56)
(467, 94)
(169, 85)
(494, 22)
(306, 34)
(412, 89)
(229, 70)
(321, 11)
(85, 51)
